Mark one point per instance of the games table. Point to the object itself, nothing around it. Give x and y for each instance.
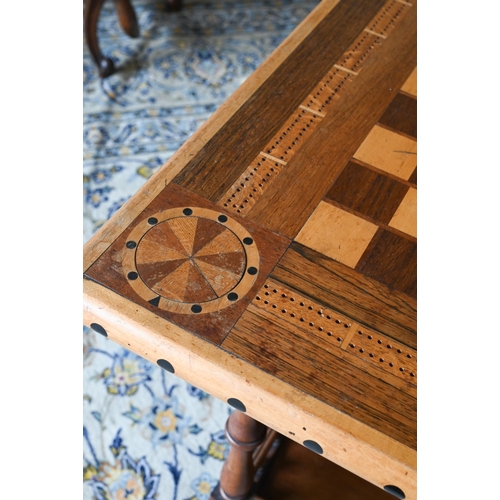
(271, 262)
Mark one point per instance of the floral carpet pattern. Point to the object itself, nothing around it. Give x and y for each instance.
(148, 434)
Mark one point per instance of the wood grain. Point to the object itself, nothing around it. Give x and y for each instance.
(333, 143)
(392, 261)
(297, 473)
(173, 288)
(368, 192)
(267, 399)
(389, 151)
(331, 331)
(344, 290)
(211, 173)
(410, 86)
(267, 341)
(401, 115)
(103, 238)
(340, 369)
(337, 234)
(327, 91)
(405, 217)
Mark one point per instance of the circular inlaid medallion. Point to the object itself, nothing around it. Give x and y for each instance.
(190, 260)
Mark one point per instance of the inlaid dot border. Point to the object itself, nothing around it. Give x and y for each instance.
(144, 291)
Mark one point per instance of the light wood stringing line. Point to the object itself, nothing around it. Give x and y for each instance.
(349, 336)
(305, 108)
(354, 73)
(385, 21)
(359, 51)
(272, 158)
(376, 34)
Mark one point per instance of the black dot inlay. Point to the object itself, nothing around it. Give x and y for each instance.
(222, 218)
(132, 275)
(155, 301)
(99, 329)
(236, 404)
(131, 244)
(165, 365)
(196, 308)
(152, 221)
(232, 296)
(187, 211)
(313, 445)
(394, 490)
(252, 270)
(247, 241)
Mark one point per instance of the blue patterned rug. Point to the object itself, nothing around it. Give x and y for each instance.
(147, 433)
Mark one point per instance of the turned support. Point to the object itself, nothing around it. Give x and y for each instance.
(237, 477)
(128, 22)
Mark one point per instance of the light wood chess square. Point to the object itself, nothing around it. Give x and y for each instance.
(337, 234)
(389, 151)
(410, 86)
(405, 217)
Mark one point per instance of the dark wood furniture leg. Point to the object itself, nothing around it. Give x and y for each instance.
(173, 5)
(128, 21)
(237, 477)
(104, 64)
(127, 18)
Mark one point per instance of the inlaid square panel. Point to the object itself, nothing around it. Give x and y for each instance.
(389, 151)
(401, 115)
(392, 260)
(367, 192)
(410, 86)
(405, 218)
(188, 261)
(337, 234)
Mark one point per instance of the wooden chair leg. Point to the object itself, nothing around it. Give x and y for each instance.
(92, 11)
(173, 5)
(127, 17)
(237, 477)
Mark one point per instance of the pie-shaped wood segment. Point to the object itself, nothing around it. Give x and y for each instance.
(192, 260)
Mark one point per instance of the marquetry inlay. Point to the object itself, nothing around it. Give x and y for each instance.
(190, 260)
(336, 330)
(245, 192)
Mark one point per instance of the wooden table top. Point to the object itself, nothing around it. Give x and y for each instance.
(272, 260)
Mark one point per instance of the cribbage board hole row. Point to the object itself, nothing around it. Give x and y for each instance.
(298, 138)
(317, 320)
(306, 118)
(254, 190)
(380, 356)
(365, 43)
(388, 17)
(333, 84)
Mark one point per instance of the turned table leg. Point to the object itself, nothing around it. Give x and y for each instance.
(128, 22)
(92, 11)
(237, 478)
(127, 17)
(173, 5)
